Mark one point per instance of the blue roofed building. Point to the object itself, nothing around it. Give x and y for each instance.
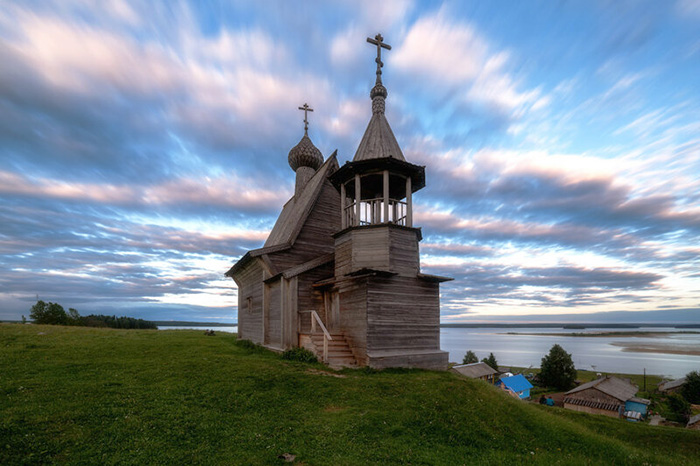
(517, 385)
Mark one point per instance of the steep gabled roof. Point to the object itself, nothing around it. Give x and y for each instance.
(613, 386)
(298, 208)
(292, 218)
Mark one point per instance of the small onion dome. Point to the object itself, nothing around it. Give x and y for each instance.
(305, 154)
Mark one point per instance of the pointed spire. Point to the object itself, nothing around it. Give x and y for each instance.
(378, 141)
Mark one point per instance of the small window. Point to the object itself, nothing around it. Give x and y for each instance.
(250, 304)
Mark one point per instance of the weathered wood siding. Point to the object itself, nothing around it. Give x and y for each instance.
(403, 251)
(316, 236)
(403, 313)
(250, 285)
(381, 247)
(353, 315)
(273, 314)
(310, 298)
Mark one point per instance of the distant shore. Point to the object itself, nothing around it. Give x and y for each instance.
(655, 334)
(653, 348)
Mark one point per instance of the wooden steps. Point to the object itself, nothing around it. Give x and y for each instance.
(339, 352)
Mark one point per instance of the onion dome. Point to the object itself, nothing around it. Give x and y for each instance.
(305, 154)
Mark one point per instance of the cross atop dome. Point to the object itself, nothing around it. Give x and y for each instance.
(379, 42)
(306, 110)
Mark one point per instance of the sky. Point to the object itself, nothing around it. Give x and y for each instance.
(143, 147)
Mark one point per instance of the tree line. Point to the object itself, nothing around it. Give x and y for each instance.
(54, 314)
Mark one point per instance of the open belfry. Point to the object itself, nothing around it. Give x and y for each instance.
(340, 273)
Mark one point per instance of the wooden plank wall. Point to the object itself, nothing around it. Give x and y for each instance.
(370, 248)
(343, 254)
(250, 286)
(310, 298)
(353, 315)
(403, 251)
(379, 248)
(273, 315)
(403, 313)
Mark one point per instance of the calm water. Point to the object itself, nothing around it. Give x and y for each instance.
(233, 329)
(591, 353)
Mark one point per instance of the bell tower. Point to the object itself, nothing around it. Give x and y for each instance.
(376, 195)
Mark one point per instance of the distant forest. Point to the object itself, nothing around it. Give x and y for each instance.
(54, 314)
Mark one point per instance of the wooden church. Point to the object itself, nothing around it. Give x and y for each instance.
(340, 272)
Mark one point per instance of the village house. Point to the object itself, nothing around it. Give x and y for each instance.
(340, 273)
(516, 385)
(671, 386)
(477, 370)
(607, 395)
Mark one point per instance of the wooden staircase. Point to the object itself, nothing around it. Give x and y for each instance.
(339, 352)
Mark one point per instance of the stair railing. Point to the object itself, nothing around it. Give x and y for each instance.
(315, 318)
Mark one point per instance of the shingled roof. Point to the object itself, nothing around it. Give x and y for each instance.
(378, 141)
(612, 386)
(298, 208)
(475, 370)
(293, 216)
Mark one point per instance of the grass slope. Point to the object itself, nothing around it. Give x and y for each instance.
(79, 395)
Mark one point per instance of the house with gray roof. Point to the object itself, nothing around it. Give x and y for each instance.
(477, 370)
(607, 395)
(671, 386)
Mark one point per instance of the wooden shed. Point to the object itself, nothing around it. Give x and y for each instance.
(607, 395)
(340, 272)
(477, 370)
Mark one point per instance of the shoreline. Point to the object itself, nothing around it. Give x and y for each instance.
(658, 349)
(641, 334)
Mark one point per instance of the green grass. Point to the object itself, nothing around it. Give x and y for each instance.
(106, 396)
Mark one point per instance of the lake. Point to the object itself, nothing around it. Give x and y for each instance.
(598, 354)
(601, 354)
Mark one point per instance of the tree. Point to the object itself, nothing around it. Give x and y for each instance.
(491, 361)
(48, 313)
(24, 319)
(74, 317)
(557, 369)
(691, 388)
(679, 408)
(470, 358)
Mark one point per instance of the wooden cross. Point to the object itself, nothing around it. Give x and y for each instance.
(379, 42)
(306, 110)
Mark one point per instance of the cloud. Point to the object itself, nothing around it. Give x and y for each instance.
(466, 63)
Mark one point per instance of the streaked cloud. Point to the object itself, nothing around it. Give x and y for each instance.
(144, 147)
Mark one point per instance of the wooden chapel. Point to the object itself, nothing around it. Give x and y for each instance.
(339, 273)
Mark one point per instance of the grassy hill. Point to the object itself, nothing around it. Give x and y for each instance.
(80, 395)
